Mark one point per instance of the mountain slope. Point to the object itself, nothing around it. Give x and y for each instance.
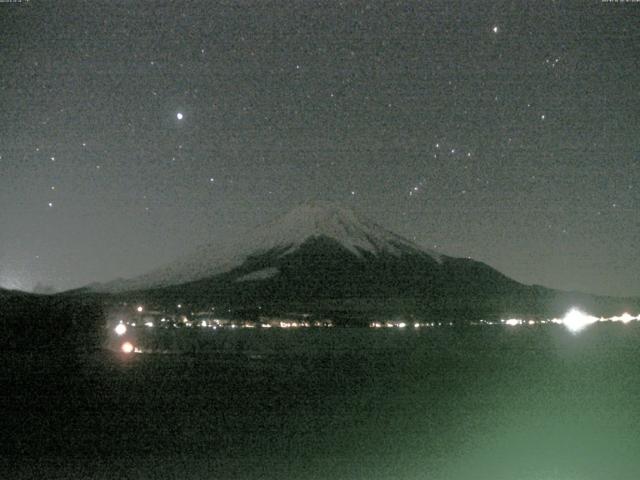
(40, 322)
(352, 232)
(325, 259)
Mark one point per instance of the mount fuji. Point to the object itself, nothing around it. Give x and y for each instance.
(338, 228)
(322, 257)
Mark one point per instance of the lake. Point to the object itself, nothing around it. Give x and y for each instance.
(495, 403)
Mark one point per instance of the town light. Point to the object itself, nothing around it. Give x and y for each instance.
(127, 347)
(575, 320)
(120, 329)
(626, 318)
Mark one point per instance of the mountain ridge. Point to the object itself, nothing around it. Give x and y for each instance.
(309, 220)
(327, 260)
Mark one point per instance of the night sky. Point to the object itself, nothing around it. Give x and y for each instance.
(133, 131)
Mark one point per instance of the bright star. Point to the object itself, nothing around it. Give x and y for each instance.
(495, 29)
(179, 116)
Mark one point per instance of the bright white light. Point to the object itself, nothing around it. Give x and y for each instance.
(495, 29)
(402, 325)
(120, 329)
(624, 318)
(148, 324)
(139, 309)
(203, 323)
(575, 320)
(512, 322)
(179, 116)
(127, 347)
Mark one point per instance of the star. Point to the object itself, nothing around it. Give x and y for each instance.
(179, 116)
(495, 29)
(50, 204)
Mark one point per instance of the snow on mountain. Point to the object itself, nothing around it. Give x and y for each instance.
(284, 235)
(259, 274)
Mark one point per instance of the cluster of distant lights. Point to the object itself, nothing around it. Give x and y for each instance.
(396, 324)
(575, 321)
(122, 327)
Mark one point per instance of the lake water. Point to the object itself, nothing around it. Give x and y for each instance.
(527, 403)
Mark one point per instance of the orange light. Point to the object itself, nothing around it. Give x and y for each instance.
(127, 347)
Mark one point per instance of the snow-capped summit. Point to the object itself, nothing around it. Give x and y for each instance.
(330, 220)
(284, 235)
